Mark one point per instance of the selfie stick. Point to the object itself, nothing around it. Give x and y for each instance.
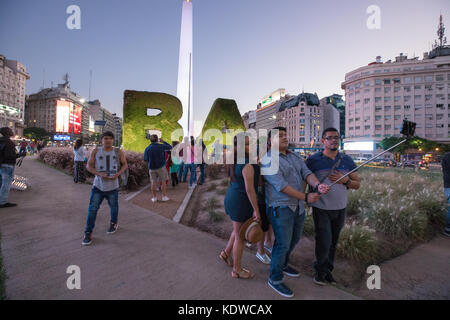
(408, 129)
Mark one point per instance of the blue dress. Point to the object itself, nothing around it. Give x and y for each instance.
(237, 204)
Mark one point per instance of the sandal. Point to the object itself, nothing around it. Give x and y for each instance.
(223, 255)
(243, 274)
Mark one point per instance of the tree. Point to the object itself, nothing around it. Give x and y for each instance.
(36, 133)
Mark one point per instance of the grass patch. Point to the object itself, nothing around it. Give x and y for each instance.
(212, 187)
(225, 182)
(221, 192)
(211, 206)
(308, 225)
(358, 244)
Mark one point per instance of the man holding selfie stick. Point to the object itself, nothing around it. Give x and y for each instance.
(329, 166)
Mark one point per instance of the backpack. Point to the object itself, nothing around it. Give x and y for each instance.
(123, 178)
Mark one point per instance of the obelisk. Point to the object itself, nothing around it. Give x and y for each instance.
(184, 85)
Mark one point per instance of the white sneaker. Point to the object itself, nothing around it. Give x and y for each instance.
(263, 258)
(165, 198)
(192, 187)
(154, 199)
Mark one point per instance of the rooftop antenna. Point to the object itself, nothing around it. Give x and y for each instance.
(441, 32)
(43, 78)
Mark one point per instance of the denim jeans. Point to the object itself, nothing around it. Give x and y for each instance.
(193, 177)
(328, 225)
(202, 172)
(181, 171)
(96, 200)
(287, 226)
(6, 179)
(447, 220)
(186, 168)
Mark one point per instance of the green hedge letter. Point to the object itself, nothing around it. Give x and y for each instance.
(136, 122)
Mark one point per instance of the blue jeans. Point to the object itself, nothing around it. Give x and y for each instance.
(287, 226)
(193, 178)
(96, 200)
(180, 171)
(202, 172)
(6, 179)
(186, 168)
(447, 220)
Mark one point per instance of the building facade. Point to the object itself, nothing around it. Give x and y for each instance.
(379, 96)
(303, 118)
(59, 111)
(13, 78)
(97, 112)
(118, 123)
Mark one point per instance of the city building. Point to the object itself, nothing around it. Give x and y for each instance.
(97, 112)
(249, 119)
(337, 102)
(380, 95)
(13, 78)
(59, 111)
(302, 116)
(118, 123)
(267, 109)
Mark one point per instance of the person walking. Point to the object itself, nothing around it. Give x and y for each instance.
(155, 157)
(79, 156)
(23, 147)
(241, 204)
(202, 165)
(174, 163)
(329, 211)
(446, 172)
(284, 172)
(104, 162)
(8, 157)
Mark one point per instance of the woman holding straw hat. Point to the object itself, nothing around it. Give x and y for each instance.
(241, 205)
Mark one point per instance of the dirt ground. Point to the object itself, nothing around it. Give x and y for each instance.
(422, 273)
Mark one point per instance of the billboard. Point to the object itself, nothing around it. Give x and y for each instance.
(359, 146)
(68, 117)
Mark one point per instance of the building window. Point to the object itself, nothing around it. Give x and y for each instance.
(440, 77)
(387, 81)
(417, 87)
(407, 89)
(377, 81)
(417, 79)
(428, 78)
(397, 108)
(396, 80)
(407, 80)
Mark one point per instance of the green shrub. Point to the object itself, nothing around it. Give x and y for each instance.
(221, 192)
(225, 182)
(211, 205)
(358, 244)
(308, 226)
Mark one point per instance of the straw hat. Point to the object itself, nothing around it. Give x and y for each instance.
(251, 231)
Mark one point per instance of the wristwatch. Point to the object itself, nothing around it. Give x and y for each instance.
(348, 182)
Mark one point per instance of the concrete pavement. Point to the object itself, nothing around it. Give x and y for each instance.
(150, 257)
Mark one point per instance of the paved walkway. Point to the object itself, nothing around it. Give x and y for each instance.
(150, 257)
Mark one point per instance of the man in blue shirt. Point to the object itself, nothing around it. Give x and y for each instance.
(284, 172)
(329, 212)
(155, 155)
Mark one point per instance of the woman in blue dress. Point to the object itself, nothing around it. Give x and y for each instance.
(240, 204)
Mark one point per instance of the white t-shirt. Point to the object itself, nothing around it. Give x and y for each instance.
(79, 154)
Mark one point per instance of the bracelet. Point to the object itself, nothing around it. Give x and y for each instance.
(348, 182)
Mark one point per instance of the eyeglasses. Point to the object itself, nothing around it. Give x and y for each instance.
(332, 138)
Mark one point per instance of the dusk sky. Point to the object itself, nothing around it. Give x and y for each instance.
(243, 49)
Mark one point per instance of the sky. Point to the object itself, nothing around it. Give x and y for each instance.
(243, 49)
